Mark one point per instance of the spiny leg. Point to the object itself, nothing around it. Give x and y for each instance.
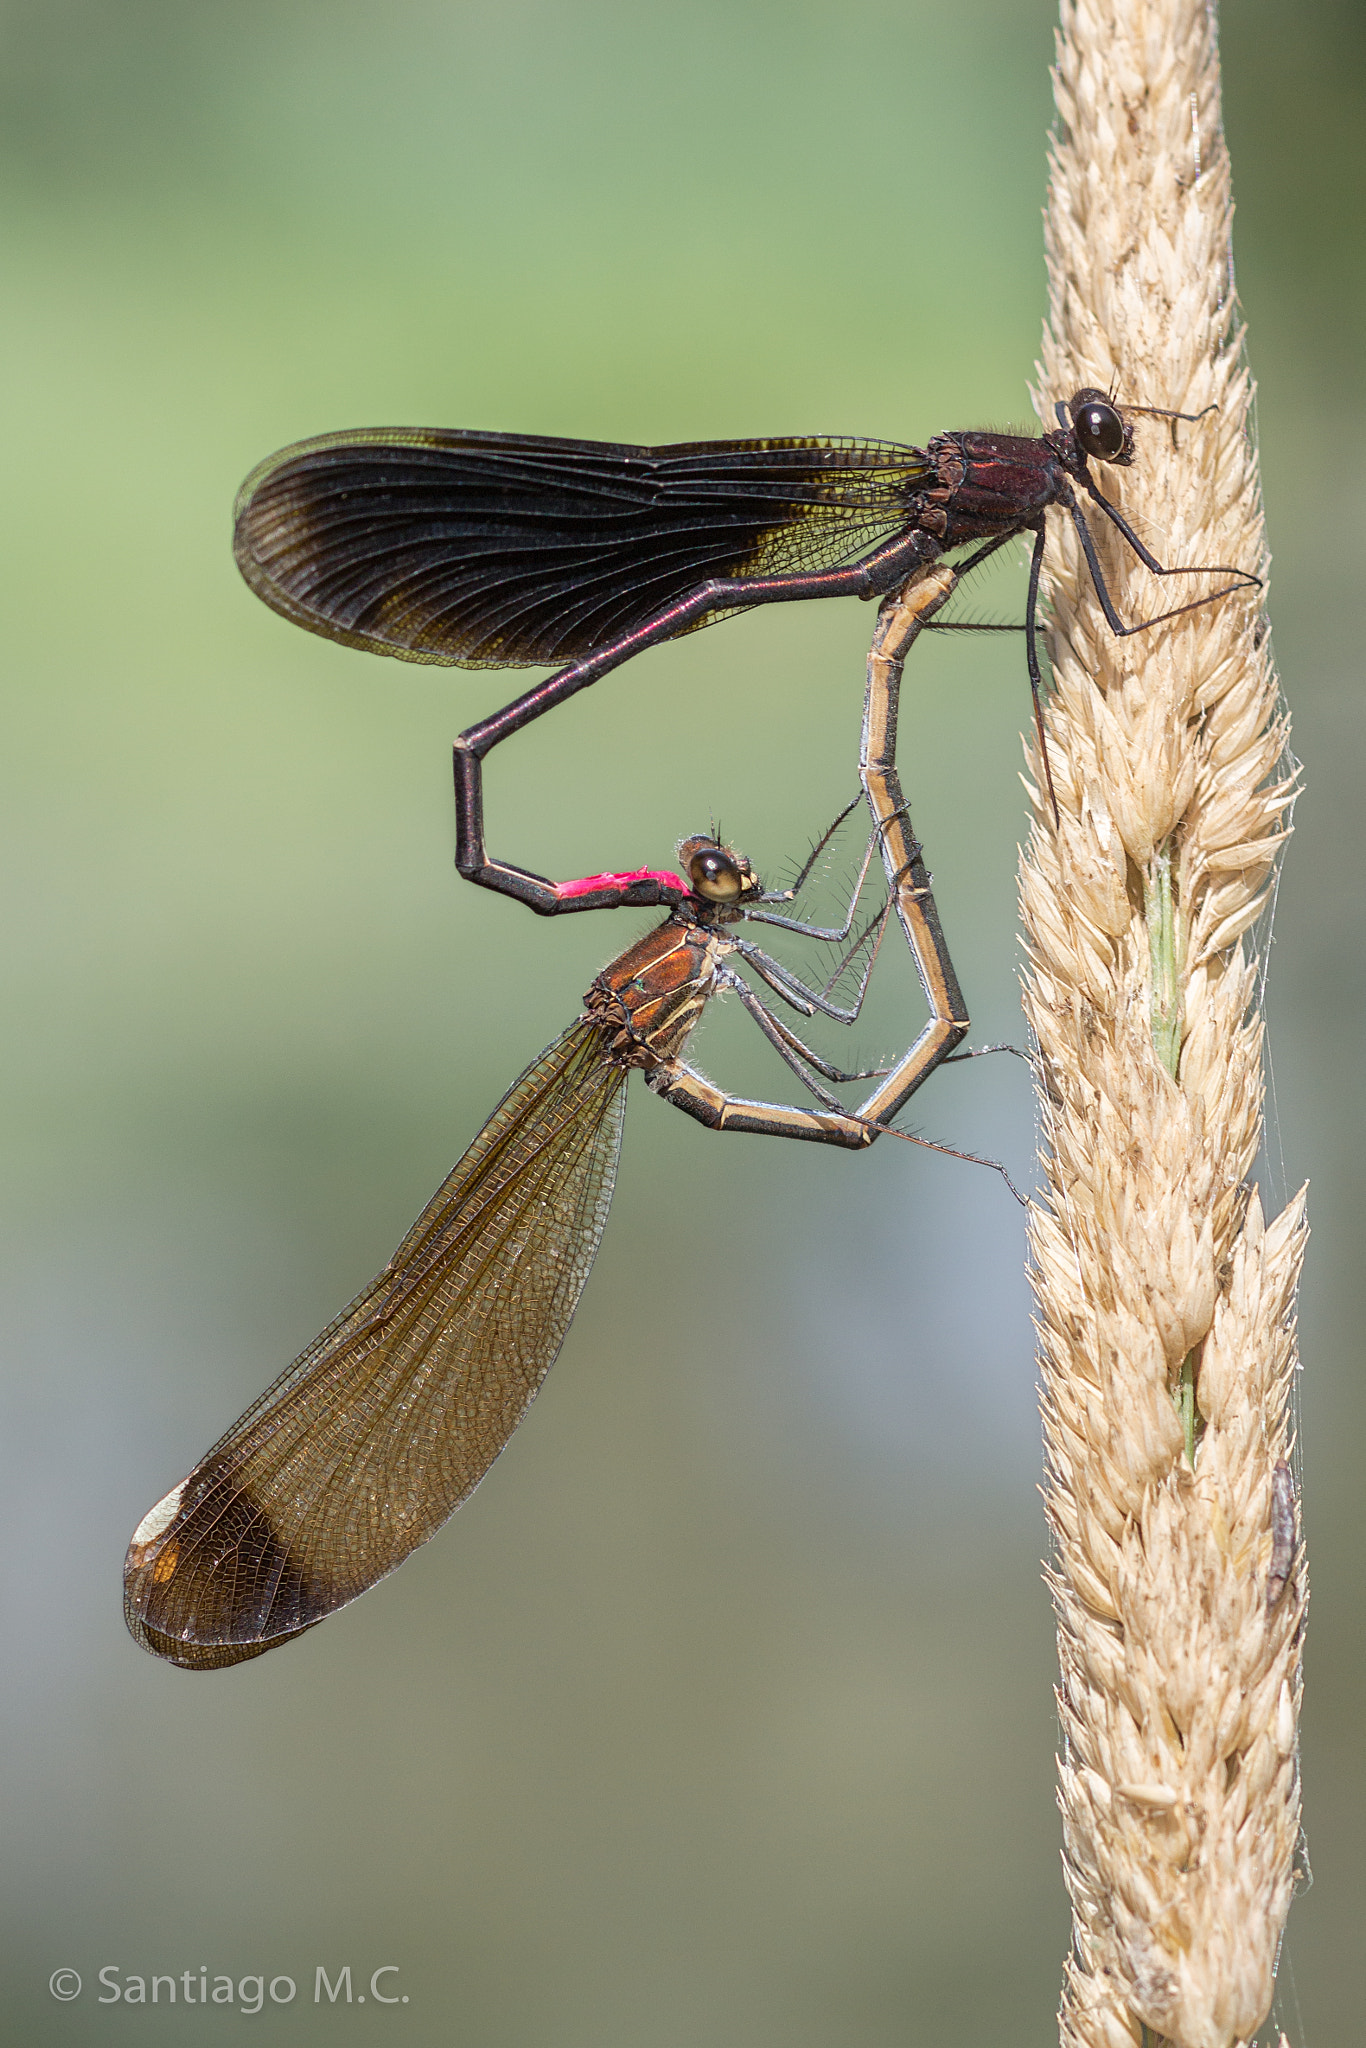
(799, 995)
(697, 1097)
(791, 1049)
(827, 932)
(1246, 581)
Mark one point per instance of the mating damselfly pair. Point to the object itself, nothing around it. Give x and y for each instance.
(505, 550)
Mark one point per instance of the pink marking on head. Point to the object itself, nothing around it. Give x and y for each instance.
(588, 883)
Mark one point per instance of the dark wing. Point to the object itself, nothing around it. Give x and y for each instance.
(500, 550)
(363, 1448)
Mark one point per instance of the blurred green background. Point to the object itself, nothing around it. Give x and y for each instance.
(723, 1712)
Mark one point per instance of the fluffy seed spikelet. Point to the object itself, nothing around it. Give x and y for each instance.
(1165, 1299)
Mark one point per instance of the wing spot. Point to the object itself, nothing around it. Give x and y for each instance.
(158, 1518)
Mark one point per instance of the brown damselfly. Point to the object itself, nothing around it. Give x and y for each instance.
(386, 1423)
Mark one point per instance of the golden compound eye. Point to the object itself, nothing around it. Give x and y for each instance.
(716, 874)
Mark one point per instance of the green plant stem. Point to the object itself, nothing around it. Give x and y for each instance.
(1163, 919)
(1186, 1408)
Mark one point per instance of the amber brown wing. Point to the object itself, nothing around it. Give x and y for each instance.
(362, 1449)
(503, 550)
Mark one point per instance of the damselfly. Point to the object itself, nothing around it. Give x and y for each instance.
(504, 550)
(375, 1435)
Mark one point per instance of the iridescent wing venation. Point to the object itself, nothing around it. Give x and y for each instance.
(565, 605)
(374, 1436)
(394, 542)
(506, 604)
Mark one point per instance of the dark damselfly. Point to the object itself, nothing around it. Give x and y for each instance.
(491, 550)
(375, 1435)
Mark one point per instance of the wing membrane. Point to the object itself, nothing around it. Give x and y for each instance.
(501, 550)
(375, 1435)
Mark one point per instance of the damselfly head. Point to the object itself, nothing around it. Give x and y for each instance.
(1101, 431)
(717, 875)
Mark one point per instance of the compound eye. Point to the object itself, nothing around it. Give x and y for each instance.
(1099, 430)
(716, 875)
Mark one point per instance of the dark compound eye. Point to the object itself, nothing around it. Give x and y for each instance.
(716, 875)
(1099, 429)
